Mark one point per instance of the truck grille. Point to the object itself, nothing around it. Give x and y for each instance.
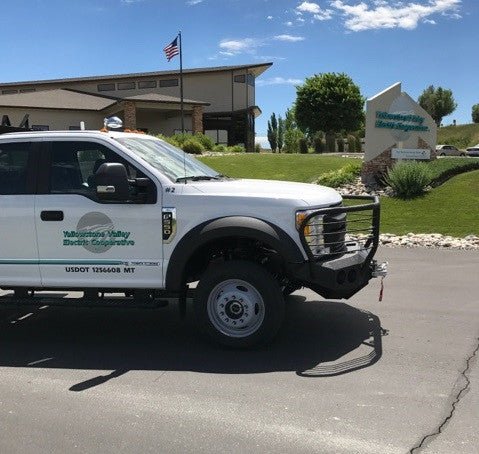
(330, 232)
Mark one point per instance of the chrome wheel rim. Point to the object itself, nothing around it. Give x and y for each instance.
(235, 308)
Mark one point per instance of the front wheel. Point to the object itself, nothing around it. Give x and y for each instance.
(239, 304)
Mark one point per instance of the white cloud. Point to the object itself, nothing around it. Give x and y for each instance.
(313, 8)
(289, 23)
(325, 14)
(230, 47)
(269, 17)
(288, 38)
(194, 2)
(308, 7)
(394, 14)
(278, 81)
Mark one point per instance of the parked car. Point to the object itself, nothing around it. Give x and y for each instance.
(473, 151)
(449, 150)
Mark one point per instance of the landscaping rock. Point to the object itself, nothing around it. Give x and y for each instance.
(429, 240)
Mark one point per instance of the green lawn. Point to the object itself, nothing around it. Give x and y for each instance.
(290, 167)
(450, 209)
(446, 165)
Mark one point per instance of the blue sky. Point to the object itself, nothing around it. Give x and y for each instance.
(376, 42)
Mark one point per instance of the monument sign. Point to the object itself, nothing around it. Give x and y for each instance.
(397, 128)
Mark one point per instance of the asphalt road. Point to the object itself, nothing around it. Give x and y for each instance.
(361, 377)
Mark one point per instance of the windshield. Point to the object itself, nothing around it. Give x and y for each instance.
(169, 160)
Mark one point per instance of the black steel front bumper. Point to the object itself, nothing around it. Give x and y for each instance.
(340, 243)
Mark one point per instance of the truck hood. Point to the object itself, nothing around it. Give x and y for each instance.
(311, 194)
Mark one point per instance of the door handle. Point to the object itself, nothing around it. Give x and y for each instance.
(51, 216)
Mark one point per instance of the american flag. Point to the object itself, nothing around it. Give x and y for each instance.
(172, 49)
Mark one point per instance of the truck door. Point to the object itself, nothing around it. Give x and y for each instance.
(84, 242)
(18, 242)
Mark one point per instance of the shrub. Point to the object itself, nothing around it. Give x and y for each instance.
(330, 143)
(359, 146)
(192, 146)
(181, 138)
(257, 148)
(351, 144)
(409, 179)
(318, 144)
(340, 143)
(219, 149)
(303, 145)
(336, 178)
(236, 149)
(205, 140)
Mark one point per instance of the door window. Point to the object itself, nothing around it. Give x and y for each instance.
(74, 164)
(13, 168)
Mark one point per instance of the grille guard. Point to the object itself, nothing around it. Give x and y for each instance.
(358, 242)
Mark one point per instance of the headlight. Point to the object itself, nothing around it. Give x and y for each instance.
(313, 231)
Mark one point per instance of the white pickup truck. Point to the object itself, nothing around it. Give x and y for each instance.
(113, 213)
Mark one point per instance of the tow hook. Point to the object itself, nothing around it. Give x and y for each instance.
(379, 269)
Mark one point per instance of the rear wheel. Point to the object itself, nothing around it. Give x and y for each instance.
(239, 304)
(442, 154)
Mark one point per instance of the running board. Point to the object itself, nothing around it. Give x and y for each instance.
(10, 301)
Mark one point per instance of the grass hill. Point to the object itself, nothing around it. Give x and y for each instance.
(462, 136)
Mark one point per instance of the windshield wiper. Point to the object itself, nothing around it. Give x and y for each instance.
(198, 178)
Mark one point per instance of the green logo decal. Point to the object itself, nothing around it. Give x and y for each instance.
(96, 233)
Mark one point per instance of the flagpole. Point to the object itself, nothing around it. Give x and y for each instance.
(181, 85)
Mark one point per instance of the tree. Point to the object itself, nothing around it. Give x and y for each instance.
(273, 132)
(329, 102)
(280, 133)
(292, 133)
(437, 102)
(475, 113)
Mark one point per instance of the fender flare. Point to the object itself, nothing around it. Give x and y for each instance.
(231, 226)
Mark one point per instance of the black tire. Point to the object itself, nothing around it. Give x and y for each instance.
(442, 154)
(463, 154)
(259, 282)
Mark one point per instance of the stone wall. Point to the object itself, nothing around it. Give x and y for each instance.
(197, 119)
(129, 112)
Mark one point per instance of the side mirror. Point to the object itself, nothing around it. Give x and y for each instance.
(111, 182)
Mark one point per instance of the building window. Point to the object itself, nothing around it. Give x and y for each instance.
(74, 128)
(251, 79)
(147, 84)
(26, 90)
(40, 128)
(169, 83)
(240, 78)
(9, 92)
(126, 86)
(106, 87)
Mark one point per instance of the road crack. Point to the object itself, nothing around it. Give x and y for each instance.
(457, 399)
